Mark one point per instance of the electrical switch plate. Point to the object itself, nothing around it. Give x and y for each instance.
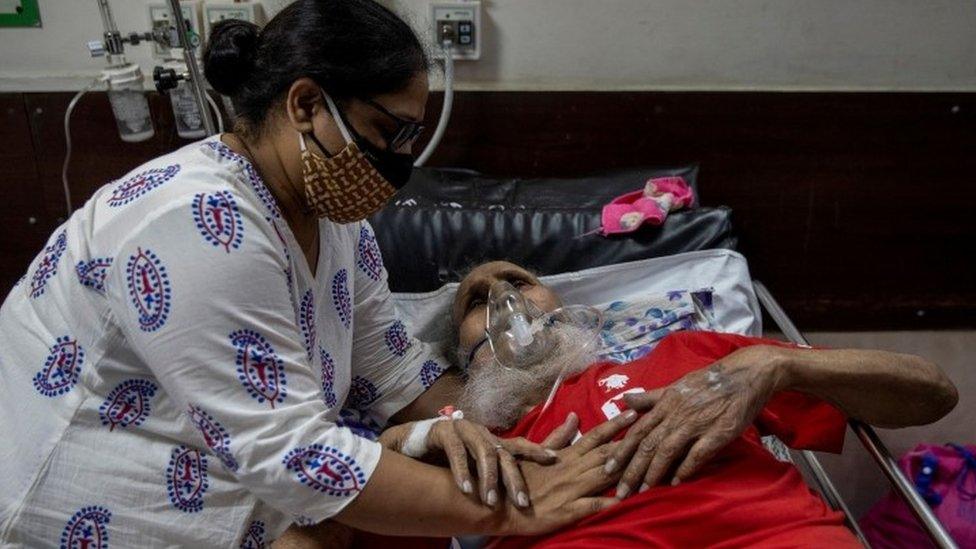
(160, 17)
(461, 23)
(215, 12)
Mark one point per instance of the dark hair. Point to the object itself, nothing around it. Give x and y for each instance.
(352, 48)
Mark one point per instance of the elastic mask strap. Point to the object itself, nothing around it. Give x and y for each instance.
(338, 118)
(474, 350)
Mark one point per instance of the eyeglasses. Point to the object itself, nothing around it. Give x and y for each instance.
(406, 132)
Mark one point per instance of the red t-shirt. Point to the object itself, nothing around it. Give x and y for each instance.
(742, 497)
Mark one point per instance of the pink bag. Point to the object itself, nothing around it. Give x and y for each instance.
(945, 476)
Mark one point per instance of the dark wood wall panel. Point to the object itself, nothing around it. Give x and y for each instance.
(858, 210)
(25, 225)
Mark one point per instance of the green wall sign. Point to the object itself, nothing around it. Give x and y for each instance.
(19, 13)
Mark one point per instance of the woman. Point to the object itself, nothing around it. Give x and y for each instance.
(174, 361)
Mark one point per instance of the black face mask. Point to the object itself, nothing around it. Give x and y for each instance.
(393, 166)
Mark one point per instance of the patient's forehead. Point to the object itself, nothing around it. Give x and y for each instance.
(481, 278)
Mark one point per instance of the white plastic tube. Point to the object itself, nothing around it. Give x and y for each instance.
(216, 111)
(67, 140)
(435, 140)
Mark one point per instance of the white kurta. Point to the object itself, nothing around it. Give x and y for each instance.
(173, 374)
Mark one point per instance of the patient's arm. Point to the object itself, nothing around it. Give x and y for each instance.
(444, 391)
(692, 419)
(879, 387)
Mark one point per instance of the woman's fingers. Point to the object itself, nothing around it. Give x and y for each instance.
(585, 507)
(561, 436)
(590, 478)
(595, 458)
(457, 456)
(529, 451)
(603, 432)
(644, 401)
(512, 478)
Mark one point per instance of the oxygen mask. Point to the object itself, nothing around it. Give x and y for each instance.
(522, 336)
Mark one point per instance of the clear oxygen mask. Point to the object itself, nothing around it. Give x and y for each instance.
(521, 335)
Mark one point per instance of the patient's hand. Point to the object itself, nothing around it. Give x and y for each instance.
(456, 439)
(694, 418)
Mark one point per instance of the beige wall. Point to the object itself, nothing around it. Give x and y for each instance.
(617, 44)
(859, 480)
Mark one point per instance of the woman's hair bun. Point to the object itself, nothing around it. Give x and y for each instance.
(228, 60)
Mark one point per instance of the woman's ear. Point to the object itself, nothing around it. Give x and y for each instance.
(303, 103)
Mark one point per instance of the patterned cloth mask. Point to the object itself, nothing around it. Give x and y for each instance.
(632, 329)
(345, 187)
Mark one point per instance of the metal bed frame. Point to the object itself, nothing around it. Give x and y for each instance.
(868, 437)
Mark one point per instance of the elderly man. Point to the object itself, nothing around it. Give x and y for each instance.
(692, 469)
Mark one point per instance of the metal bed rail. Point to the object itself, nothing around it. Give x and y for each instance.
(869, 438)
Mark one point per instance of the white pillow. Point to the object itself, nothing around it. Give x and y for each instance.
(427, 315)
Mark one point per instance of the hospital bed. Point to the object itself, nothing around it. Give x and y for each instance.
(447, 220)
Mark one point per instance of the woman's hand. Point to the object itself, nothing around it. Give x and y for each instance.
(694, 418)
(458, 439)
(563, 493)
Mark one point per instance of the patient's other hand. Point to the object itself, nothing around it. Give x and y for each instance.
(694, 418)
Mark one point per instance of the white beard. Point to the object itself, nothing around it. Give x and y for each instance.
(495, 396)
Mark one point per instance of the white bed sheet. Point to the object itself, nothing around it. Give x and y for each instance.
(736, 308)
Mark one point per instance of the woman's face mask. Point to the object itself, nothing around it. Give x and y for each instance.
(357, 181)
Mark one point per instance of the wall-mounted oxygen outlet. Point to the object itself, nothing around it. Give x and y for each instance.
(160, 18)
(459, 23)
(217, 11)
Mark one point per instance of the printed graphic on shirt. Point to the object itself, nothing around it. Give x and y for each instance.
(429, 373)
(614, 406)
(397, 340)
(186, 479)
(262, 190)
(284, 247)
(326, 469)
(340, 297)
(218, 219)
(214, 436)
(140, 184)
(361, 425)
(92, 273)
(87, 529)
(362, 393)
(129, 403)
(62, 368)
(328, 378)
(259, 369)
(302, 520)
(254, 536)
(149, 289)
(369, 260)
(48, 267)
(613, 381)
(253, 179)
(306, 322)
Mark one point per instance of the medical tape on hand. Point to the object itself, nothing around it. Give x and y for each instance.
(415, 445)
